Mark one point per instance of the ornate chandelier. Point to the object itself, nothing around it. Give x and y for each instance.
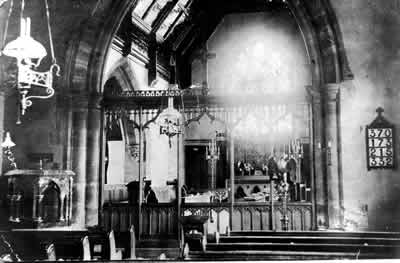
(29, 54)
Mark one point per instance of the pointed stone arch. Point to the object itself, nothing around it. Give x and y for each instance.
(84, 75)
(323, 39)
(122, 71)
(84, 70)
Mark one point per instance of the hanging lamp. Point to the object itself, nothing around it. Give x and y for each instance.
(25, 47)
(29, 54)
(170, 117)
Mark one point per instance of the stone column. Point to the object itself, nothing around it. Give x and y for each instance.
(2, 101)
(332, 155)
(3, 16)
(319, 186)
(3, 78)
(231, 142)
(93, 160)
(78, 156)
(181, 174)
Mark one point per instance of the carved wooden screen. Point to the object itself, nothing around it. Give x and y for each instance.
(268, 129)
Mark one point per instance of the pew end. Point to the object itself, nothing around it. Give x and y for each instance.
(51, 252)
(86, 249)
(132, 243)
(115, 253)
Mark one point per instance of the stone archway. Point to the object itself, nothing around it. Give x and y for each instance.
(124, 74)
(84, 71)
(84, 76)
(323, 39)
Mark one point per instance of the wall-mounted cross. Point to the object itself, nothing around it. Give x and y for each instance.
(380, 111)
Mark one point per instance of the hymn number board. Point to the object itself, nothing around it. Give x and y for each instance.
(380, 135)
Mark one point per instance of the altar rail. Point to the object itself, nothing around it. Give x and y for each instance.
(252, 215)
(160, 220)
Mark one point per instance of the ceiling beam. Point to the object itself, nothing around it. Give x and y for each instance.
(153, 59)
(126, 36)
(163, 15)
(200, 35)
(184, 11)
(148, 9)
(173, 24)
(184, 33)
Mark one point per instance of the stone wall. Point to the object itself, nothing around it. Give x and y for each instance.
(370, 35)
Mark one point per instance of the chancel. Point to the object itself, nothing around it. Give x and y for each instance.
(199, 130)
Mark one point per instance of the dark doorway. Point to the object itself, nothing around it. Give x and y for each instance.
(196, 167)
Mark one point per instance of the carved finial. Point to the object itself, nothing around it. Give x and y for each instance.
(380, 110)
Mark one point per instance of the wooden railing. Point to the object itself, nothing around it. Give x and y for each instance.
(251, 215)
(115, 193)
(161, 220)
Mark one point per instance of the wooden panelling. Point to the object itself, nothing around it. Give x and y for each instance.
(254, 216)
(115, 193)
(161, 220)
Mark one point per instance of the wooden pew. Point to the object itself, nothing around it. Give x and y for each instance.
(51, 252)
(132, 243)
(115, 253)
(185, 252)
(162, 256)
(86, 249)
(34, 245)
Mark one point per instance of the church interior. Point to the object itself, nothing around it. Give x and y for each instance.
(199, 130)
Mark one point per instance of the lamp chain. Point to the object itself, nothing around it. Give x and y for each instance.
(6, 25)
(53, 58)
(22, 9)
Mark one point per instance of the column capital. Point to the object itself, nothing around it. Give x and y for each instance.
(95, 100)
(332, 91)
(314, 93)
(79, 101)
(85, 101)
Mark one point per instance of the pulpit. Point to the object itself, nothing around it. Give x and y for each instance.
(39, 198)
